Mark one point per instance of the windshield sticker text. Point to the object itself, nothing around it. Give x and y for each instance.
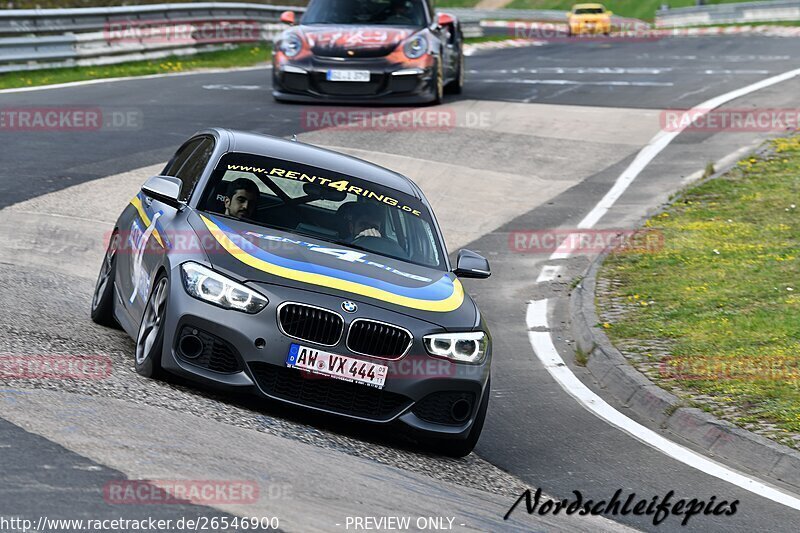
(339, 185)
(350, 256)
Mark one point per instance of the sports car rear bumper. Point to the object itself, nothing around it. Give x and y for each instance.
(247, 353)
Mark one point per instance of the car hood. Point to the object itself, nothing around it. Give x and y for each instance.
(258, 254)
(347, 41)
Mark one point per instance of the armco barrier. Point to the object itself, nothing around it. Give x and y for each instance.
(735, 13)
(32, 39)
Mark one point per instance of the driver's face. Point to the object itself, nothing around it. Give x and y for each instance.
(241, 205)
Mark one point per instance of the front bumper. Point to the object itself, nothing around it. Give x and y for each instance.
(416, 390)
(590, 28)
(306, 80)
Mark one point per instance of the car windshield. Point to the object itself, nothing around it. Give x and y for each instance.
(590, 11)
(391, 12)
(324, 205)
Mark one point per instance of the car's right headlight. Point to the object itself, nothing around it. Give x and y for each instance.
(291, 44)
(214, 288)
(469, 347)
(415, 47)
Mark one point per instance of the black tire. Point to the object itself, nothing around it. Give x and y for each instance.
(457, 85)
(102, 311)
(462, 448)
(150, 339)
(438, 88)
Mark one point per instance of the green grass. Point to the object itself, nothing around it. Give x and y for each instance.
(237, 57)
(724, 291)
(640, 9)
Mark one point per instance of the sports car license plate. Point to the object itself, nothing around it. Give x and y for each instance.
(336, 366)
(348, 75)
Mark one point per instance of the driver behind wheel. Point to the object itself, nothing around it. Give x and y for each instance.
(241, 198)
(359, 220)
(399, 13)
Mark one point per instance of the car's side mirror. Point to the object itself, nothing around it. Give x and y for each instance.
(444, 19)
(164, 189)
(609, 13)
(287, 17)
(472, 265)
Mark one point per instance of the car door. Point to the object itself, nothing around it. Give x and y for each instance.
(152, 234)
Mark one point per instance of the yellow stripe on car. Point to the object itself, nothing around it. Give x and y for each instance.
(137, 203)
(448, 304)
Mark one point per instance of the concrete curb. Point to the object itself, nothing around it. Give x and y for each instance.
(612, 371)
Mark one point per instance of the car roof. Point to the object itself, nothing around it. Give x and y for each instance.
(267, 145)
(587, 6)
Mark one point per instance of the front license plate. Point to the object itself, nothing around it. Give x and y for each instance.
(348, 75)
(336, 366)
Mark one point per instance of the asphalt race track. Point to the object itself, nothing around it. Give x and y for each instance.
(539, 135)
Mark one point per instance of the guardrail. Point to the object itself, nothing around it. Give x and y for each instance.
(544, 15)
(737, 13)
(33, 39)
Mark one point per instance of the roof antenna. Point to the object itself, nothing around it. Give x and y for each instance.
(294, 137)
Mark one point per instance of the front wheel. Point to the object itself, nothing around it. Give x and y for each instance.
(438, 87)
(457, 85)
(150, 340)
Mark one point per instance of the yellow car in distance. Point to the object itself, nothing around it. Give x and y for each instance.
(589, 19)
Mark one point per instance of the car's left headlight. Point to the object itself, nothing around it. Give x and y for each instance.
(415, 47)
(209, 286)
(459, 347)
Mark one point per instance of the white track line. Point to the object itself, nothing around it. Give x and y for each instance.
(548, 273)
(543, 346)
(131, 78)
(524, 81)
(544, 349)
(663, 139)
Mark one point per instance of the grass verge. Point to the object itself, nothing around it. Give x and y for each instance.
(241, 56)
(715, 313)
